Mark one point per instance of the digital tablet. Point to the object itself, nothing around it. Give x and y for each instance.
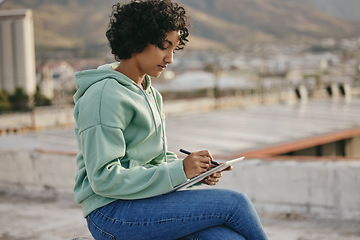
(197, 179)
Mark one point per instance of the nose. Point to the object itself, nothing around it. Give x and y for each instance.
(169, 58)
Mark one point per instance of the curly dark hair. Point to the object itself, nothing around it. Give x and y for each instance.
(141, 22)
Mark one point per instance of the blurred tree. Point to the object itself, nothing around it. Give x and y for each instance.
(20, 101)
(40, 99)
(5, 104)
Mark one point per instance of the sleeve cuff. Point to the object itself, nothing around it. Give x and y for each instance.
(177, 174)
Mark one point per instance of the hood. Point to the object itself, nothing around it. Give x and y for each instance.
(85, 79)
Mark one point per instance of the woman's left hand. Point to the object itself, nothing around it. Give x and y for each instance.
(213, 179)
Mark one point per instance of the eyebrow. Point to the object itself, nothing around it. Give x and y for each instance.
(168, 41)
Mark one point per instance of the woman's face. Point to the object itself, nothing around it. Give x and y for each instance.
(153, 60)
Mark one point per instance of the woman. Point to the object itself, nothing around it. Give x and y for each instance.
(123, 163)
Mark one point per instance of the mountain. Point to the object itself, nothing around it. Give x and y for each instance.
(346, 9)
(66, 23)
(81, 24)
(269, 20)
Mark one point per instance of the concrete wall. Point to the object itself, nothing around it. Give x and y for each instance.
(348, 147)
(312, 188)
(34, 173)
(317, 188)
(40, 118)
(351, 147)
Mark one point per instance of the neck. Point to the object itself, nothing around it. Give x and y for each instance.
(126, 67)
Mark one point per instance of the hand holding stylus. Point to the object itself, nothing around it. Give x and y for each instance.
(188, 153)
(199, 162)
(196, 163)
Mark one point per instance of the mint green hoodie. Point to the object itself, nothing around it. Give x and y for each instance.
(121, 140)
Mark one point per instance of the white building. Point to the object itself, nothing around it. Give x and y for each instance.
(17, 51)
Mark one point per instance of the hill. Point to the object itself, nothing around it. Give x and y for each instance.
(79, 24)
(269, 20)
(66, 23)
(346, 9)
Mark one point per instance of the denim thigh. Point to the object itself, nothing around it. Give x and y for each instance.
(175, 215)
(215, 233)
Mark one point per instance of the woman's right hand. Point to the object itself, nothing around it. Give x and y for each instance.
(197, 163)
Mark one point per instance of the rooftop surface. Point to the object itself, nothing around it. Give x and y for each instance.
(34, 219)
(224, 133)
(234, 131)
(227, 132)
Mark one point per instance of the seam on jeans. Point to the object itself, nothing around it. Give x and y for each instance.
(100, 230)
(231, 218)
(161, 220)
(191, 237)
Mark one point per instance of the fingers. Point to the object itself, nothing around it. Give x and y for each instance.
(199, 162)
(205, 158)
(216, 175)
(196, 163)
(202, 162)
(213, 179)
(228, 168)
(202, 159)
(206, 153)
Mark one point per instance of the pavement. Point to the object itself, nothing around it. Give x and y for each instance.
(22, 218)
(222, 132)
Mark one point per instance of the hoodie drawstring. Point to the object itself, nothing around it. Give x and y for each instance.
(149, 105)
(162, 124)
(153, 116)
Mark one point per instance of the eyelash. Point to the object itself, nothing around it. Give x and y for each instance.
(165, 48)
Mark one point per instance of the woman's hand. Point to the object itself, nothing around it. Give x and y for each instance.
(197, 163)
(214, 178)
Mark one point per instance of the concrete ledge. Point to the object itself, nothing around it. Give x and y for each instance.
(317, 188)
(39, 118)
(37, 174)
(309, 142)
(326, 188)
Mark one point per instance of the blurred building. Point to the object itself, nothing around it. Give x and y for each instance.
(47, 82)
(17, 51)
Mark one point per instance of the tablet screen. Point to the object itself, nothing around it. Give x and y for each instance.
(207, 173)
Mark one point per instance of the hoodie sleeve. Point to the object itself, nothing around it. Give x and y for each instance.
(105, 146)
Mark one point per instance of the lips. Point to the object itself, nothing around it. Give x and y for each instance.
(162, 66)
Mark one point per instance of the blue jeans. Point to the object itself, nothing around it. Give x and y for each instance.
(191, 214)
